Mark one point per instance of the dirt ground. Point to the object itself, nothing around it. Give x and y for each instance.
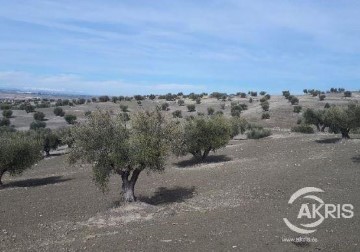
(236, 201)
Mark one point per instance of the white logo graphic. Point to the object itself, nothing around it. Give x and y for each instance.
(315, 211)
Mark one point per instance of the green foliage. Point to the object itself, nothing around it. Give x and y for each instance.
(59, 111)
(305, 91)
(81, 101)
(294, 100)
(253, 93)
(257, 132)
(124, 108)
(250, 100)
(165, 106)
(170, 97)
(139, 97)
(87, 113)
(65, 136)
(297, 109)
(218, 95)
(29, 108)
(262, 93)
(112, 148)
(177, 114)
(263, 99)
(303, 128)
(104, 98)
(343, 119)
(347, 93)
(286, 94)
(70, 119)
(66, 102)
(201, 135)
(238, 126)
(18, 152)
(198, 100)
(265, 105)
(322, 97)
(236, 109)
(114, 99)
(39, 116)
(4, 122)
(152, 97)
(7, 129)
(181, 102)
(125, 117)
(7, 113)
(50, 139)
(5, 106)
(191, 107)
(327, 105)
(265, 115)
(242, 95)
(222, 106)
(37, 125)
(210, 110)
(315, 117)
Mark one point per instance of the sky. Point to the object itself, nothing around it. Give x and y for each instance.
(126, 47)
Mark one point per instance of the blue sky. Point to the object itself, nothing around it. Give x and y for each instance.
(160, 46)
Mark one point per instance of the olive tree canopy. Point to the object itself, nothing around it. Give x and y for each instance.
(18, 152)
(113, 148)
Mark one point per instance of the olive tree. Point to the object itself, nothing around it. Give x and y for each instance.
(18, 152)
(50, 139)
(112, 148)
(343, 119)
(315, 117)
(201, 135)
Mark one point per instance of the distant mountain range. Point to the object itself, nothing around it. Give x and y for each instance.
(41, 92)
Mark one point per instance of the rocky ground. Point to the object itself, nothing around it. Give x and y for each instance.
(236, 201)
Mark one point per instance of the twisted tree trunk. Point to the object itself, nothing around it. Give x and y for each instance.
(128, 185)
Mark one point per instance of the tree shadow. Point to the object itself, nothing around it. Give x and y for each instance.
(165, 195)
(329, 140)
(208, 160)
(356, 159)
(57, 154)
(36, 182)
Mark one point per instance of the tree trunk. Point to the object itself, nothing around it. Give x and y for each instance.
(318, 127)
(323, 128)
(345, 134)
(206, 153)
(128, 185)
(1, 174)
